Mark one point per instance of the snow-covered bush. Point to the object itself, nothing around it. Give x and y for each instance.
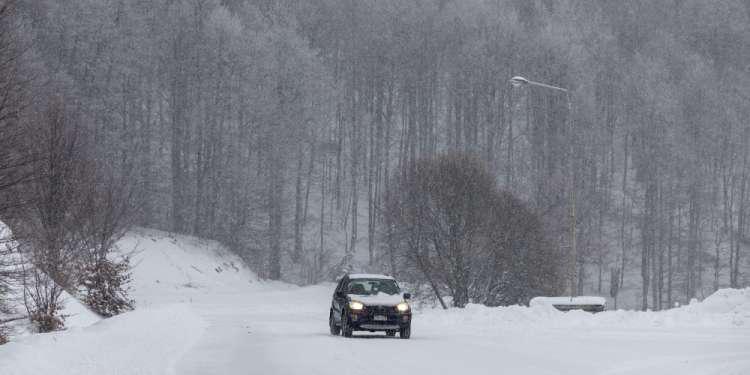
(3, 310)
(45, 322)
(105, 286)
(3, 335)
(41, 297)
(5, 272)
(104, 274)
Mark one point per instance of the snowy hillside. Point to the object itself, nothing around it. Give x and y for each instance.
(199, 311)
(174, 268)
(169, 271)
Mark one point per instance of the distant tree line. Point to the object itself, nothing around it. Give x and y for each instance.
(284, 129)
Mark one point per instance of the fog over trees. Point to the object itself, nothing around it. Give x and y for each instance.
(298, 133)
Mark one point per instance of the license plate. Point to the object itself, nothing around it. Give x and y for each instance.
(380, 317)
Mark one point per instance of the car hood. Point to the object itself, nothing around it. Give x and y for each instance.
(381, 299)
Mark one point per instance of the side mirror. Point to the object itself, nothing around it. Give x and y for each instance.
(407, 295)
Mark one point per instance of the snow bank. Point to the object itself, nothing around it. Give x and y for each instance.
(148, 341)
(727, 308)
(77, 314)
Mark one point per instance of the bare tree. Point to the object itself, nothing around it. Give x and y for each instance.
(48, 229)
(466, 236)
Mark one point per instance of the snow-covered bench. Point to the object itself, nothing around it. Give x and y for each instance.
(585, 303)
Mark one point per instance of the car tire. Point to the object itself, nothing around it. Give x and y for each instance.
(346, 329)
(335, 330)
(390, 333)
(405, 332)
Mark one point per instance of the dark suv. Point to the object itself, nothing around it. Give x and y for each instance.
(363, 302)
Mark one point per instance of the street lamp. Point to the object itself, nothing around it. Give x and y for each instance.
(519, 81)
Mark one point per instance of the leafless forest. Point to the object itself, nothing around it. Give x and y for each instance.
(319, 136)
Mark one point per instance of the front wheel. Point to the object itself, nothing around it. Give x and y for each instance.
(335, 330)
(346, 328)
(405, 332)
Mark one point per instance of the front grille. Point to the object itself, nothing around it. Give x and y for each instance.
(388, 311)
(381, 310)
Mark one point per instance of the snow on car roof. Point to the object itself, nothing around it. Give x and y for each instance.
(369, 276)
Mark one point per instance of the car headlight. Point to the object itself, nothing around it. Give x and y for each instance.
(402, 307)
(354, 305)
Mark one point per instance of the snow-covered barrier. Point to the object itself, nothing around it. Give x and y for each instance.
(585, 303)
(727, 308)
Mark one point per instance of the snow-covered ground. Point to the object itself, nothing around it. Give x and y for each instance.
(200, 312)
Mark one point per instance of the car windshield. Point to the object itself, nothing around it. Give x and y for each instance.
(369, 287)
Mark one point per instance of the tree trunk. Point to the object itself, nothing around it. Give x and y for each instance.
(275, 201)
(298, 211)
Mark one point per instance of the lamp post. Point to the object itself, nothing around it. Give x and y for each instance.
(519, 81)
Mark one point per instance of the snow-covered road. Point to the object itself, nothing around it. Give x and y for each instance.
(285, 332)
